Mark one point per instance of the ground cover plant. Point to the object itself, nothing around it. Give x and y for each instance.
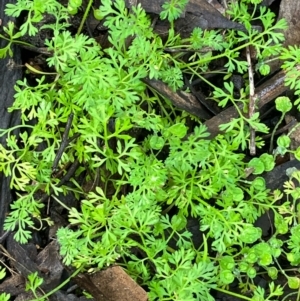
(139, 167)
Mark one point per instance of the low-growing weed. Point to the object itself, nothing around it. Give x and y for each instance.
(145, 189)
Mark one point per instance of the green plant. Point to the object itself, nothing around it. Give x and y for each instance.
(3, 296)
(33, 283)
(100, 96)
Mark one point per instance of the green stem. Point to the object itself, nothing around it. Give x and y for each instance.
(201, 77)
(281, 269)
(225, 54)
(289, 295)
(34, 293)
(232, 294)
(84, 17)
(33, 70)
(16, 41)
(293, 129)
(59, 286)
(274, 131)
(61, 203)
(162, 107)
(6, 131)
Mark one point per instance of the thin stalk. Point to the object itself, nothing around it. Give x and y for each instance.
(87, 10)
(274, 131)
(225, 54)
(59, 286)
(33, 70)
(232, 294)
(61, 203)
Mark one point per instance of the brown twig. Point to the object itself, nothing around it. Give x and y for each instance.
(4, 236)
(252, 99)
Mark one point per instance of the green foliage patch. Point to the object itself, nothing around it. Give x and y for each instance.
(174, 168)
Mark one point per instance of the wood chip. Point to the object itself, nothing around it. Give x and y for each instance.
(111, 284)
(118, 286)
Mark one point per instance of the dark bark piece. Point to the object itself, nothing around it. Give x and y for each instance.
(149, 6)
(181, 100)
(46, 263)
(267, 92)
(5, 198)
(14, 285)
(290, 11)
(202, 13)
(276, 178)
(27, 296)
(8, 77)
(22, 259)
(111, 284)
(216, 4)
(49, 264)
